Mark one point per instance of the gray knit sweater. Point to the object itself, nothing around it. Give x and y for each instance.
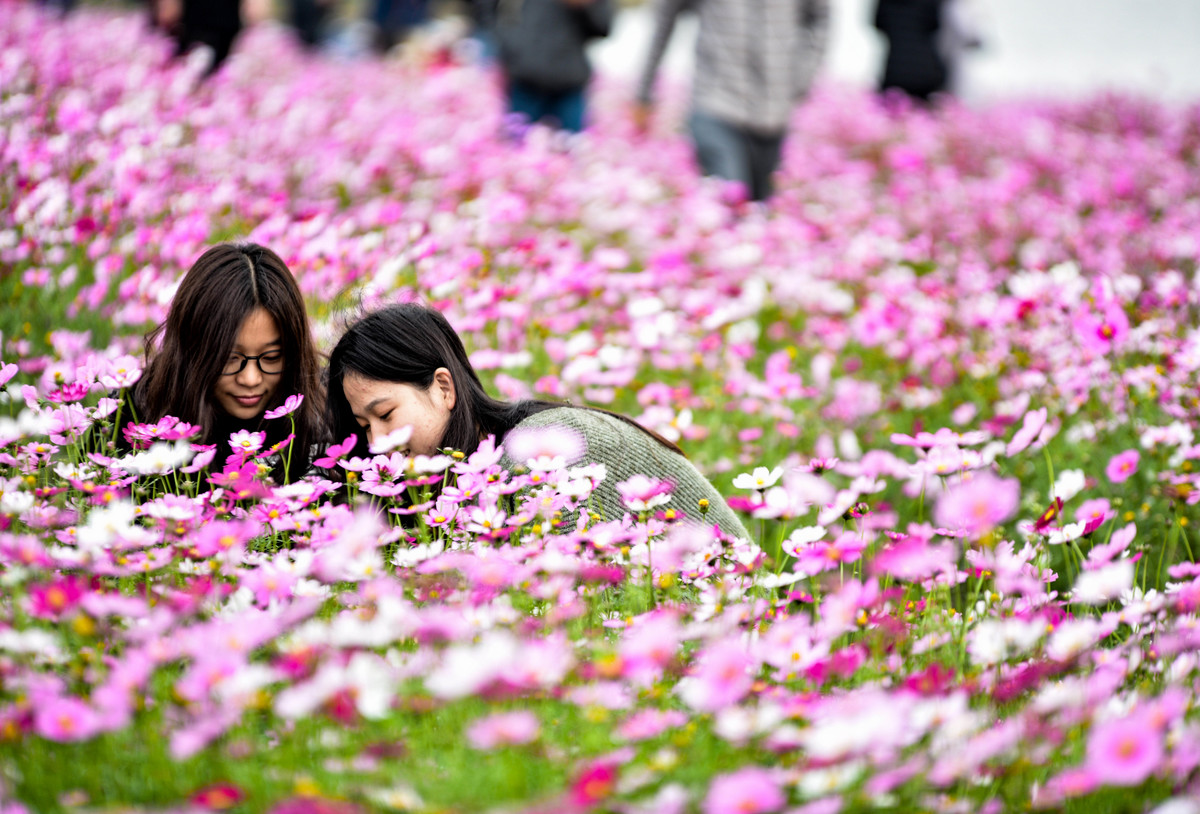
(626, 451)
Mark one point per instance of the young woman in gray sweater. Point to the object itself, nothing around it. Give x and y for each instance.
(405, 365)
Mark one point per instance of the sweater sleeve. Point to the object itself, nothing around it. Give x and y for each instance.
(665, 13)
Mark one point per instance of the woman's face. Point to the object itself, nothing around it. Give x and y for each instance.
(384, 407)
(246, 393)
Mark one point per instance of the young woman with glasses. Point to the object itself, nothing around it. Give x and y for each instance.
(236, 343)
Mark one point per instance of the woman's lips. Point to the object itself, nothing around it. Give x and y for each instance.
(248, 401)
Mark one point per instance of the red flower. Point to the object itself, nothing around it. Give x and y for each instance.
(595, 784)
(1047, 517)
(219, 797)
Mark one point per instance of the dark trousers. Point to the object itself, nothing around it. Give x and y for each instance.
(563, 108)
(736, 154)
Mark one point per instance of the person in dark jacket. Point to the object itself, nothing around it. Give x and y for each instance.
(542, 52)
(914, 63)
(215, 23)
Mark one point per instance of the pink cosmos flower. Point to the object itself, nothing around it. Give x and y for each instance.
(246, 442)
(978, 504)
(240, 480)
(314, 805)
(220, 536)
(752, 790)
(1072, 782)
(649, 646)
(7, 371)
(1100, 332)
(1122, 465)
(1097, 508)
(268, 582)
(65, 719)
(485, 456)
(647, 723)
(290, 405)
(334, 452)
(504, 729)
(913, 558)
(723, 675)
(1034, 421)
(545, 448)
(168, 428)
(123, 371)
(822, 555)
(641, 493)
(204, 456)
(1125, 751)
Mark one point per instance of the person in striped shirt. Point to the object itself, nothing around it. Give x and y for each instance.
(755, 59)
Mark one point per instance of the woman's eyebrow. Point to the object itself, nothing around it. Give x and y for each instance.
(270, 344)
(371, 406)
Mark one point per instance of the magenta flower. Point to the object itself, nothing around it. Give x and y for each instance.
(752, 790)
(1100, 332)
(290, 405)
(240, 480)
(335, 451)
(56, 599)
(1122, 465)
(1125, 751)
(978, 504)
(7, 371)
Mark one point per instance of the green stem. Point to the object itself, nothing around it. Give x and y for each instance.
(1049, 468)
(287, 457)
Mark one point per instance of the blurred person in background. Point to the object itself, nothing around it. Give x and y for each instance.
(308, 17)
(541, 46)
(212, 23)
(63, 7)
(394, 20)
(914, 64)
(754, 62)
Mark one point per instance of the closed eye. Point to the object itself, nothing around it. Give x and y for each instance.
(387, 415)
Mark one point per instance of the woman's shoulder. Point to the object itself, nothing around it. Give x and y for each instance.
(581, 419)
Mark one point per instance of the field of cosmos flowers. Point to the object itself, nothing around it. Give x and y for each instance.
(948, 377)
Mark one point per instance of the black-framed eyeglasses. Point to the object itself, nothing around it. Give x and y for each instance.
(269, 364)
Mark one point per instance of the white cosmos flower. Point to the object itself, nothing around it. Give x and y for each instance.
(1068, 484)
(760, 478)
(1103, 584)
(160, 459)
(801, 538)
(15, 503)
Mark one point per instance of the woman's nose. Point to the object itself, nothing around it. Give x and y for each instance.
(250, 375)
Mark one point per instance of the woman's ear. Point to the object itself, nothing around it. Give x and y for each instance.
(443, 387)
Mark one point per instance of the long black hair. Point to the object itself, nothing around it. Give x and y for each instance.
(407, 343)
